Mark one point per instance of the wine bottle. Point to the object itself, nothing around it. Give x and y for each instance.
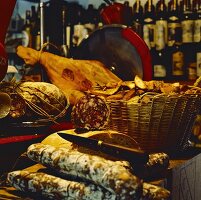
(137, 18)
(127, 14)
(174, 24)
(64, 47)
(197, 21)
(159, 56)
(159, 64)
(187, 22)
(197, 35)
(27, 30)
(79, 31)
(169, 5)
(149, 24)
(100, 19)
(177, 62)
(69, 27)
(176, 66)
(89, 19)
(161, 25)
(36, 43)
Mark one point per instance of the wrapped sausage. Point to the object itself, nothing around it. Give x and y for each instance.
(108, 174)
(35, 99)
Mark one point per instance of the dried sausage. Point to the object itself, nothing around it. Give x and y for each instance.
(55, 188)
(106, 173)
(91, 112)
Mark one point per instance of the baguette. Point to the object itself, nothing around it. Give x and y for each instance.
(109, 174)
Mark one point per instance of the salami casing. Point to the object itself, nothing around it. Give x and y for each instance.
(153, 192)
(91, 112)
(53, 187)
(157, 166)
(109, 174)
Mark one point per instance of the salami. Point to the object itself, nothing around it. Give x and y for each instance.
(158, 159)
(91, 112)
(156, 166)
(53, 187)
(106, 173)
(153, 192)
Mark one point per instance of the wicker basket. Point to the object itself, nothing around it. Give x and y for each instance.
(162, 124)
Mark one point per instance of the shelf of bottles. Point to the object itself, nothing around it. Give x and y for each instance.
(173, 34)
(171, 30)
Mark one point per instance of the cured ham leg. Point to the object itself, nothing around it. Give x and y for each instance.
(71, 76)
(77, 74)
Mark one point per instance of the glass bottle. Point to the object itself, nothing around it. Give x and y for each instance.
(149, 24)
(159, 56)
(187, 22)
(27, 31)
(35, 19)
(176, 64)
(197, 36)
(161, 25)
(137, 18)
(174, 24)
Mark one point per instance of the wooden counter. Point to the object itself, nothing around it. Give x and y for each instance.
(183, 177)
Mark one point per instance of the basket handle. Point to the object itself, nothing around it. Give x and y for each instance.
(197, 82)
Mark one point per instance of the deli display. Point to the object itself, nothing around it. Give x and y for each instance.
(127, 131)
(86, 176)
(106, 104)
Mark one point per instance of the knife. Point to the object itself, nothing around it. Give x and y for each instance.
(132, 155)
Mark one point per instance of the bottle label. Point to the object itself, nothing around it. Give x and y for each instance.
(68, 36)
(192, 72)
(89, 28)
(178, 63)
(79, 34)
(174, 33)
(100, 24)
(198, 61)
(161, 34)
(25, 39)
(37, 44)
(148, 35)
(187, 31)
(159, 71)
(197, 31)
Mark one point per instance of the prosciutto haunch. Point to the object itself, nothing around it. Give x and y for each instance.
(68, 74)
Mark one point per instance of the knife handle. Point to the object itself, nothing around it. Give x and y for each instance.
(131, 155)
